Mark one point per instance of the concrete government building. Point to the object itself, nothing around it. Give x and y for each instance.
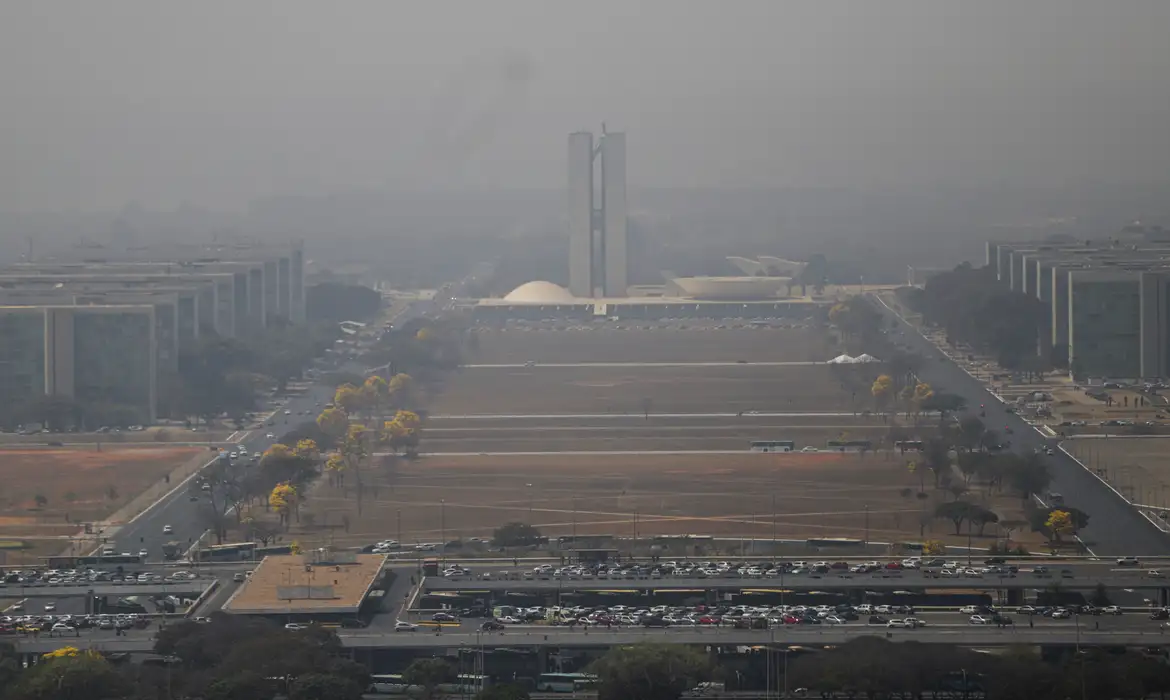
(1107, 303)
(598, 259)
(103, 325)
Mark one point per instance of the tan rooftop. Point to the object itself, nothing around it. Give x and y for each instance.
(292, 583)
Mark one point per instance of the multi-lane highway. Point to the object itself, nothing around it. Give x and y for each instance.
(967, 635)
(1115, 528)
(181, 513)
(823, 583)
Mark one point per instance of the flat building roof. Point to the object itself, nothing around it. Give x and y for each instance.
(293, 583)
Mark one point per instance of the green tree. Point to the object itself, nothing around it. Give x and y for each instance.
(956, 511)
(428, 674)
(246, 685)
(515, 534)
(503, 691)
(1029, 475)
(322, 686)
(649, 672)
(86, 676)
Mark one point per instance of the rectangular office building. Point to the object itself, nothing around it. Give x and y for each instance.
(98, 355)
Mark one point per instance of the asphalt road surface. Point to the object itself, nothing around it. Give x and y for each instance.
(967, 635)
(802, 582)
(1115, 528)
(177, 510)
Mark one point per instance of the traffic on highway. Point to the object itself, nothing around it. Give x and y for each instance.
(1116, 528)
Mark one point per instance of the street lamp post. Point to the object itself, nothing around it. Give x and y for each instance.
(442, 527)
(399, 527)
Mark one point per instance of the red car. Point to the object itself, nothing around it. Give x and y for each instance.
(708, 620)
(894, 565)
(791, 620)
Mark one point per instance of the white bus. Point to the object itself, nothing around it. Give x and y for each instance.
(566, 682)
(773, 446)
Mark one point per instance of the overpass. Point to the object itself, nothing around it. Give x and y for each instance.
(449, 643)
(827, 582)
(184, 588)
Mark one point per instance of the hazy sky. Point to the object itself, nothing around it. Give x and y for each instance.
(220, 101)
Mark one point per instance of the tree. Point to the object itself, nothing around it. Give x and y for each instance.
(246, 685)
(349, 398)
(971, 431)
(981, 517)
(1010, 526)
(944, 403)
(503, 691)
(955, 511)
(322, 686)
(649, 672)
(283, 500)
(67, 674)
(331, 301)
(882, 389)
(1029, 475)
(1058, 524)
(428, 674)
(333, 422)
(515, 534)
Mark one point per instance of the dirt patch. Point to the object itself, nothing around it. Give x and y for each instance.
(629, 390)
(600, 344)
(78, 485)
(787, 496)
(1137, 467)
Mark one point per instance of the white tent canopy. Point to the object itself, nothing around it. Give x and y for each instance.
(866, 358)
(843, 360)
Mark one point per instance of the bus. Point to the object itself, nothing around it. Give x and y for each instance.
(773, 446)
(566, 682)
(238, 551)
(393, 684)
(905, 446)
(850, 445)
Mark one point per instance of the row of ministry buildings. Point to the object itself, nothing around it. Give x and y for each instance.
(1107, 302)
(102, 326)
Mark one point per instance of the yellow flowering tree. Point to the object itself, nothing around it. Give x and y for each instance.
(335, 468)
(882, 389)
(333, 422)
(348, 398)
(284, 500)
(307, 449)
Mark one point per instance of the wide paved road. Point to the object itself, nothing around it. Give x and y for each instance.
(177, 510)
(1115, 528)
(971, 635)
(803, 582)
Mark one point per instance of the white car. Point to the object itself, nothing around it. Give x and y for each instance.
(50, 606)
(969, 610)
(979, 620)
(168, 530)
(401, 626)
(143, 553)
(61, 627)
(296, 626)
(1154, 573)
(270, 436)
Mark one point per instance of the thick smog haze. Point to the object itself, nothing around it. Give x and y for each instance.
(220, 103)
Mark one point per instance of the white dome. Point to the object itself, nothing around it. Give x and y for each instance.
(540, 292)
